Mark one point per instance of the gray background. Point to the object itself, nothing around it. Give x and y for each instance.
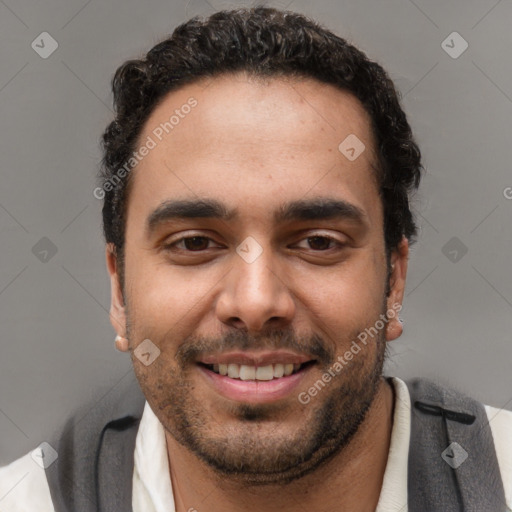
(57, 345)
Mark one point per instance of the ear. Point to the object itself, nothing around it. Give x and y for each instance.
(399, 260)
(117, 306)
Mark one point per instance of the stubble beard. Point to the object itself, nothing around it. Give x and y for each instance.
(249, 450)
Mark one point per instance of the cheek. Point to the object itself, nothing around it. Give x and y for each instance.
(346, 300)
(157, 287)
(167, 304)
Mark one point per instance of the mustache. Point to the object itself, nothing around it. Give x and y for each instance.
(194, 346)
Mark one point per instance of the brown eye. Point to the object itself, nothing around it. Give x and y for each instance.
(319, 243)
(189, 244)
(196, 243)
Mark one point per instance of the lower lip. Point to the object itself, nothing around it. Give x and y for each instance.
(253, 391)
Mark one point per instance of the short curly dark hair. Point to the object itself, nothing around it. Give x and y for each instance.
(263, 42)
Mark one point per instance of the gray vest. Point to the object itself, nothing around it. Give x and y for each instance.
(452, 461)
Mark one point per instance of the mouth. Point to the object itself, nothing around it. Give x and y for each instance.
(256, 379)
(256, 373)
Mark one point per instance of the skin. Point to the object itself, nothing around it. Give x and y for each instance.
(254, 145)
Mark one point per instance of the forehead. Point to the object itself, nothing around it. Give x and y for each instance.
(255, 142)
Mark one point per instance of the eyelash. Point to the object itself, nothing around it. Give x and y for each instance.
(172, 246)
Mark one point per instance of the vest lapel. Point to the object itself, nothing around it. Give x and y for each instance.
(94, 468)
(452, 460)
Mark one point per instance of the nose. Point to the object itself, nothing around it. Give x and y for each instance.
(254, 296)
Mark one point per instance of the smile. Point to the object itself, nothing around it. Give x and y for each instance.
(256, 384)
(258, 373)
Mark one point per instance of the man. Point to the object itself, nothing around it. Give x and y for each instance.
(256, 182)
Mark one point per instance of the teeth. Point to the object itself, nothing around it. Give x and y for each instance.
(247, 372)
(264, 373)
(288, 369)
(278, 370)
(233, 371)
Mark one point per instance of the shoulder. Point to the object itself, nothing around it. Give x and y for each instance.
(34, 481)
(23, 485)
(500, 421)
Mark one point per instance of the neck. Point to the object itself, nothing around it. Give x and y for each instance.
(351, 480)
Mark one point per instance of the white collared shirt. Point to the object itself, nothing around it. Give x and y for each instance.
(24, 488)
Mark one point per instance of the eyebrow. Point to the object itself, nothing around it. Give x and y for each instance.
(321, 208)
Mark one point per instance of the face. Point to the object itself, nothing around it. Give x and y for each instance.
(254, 246)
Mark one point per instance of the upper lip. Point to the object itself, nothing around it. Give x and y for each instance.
(256, 358)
